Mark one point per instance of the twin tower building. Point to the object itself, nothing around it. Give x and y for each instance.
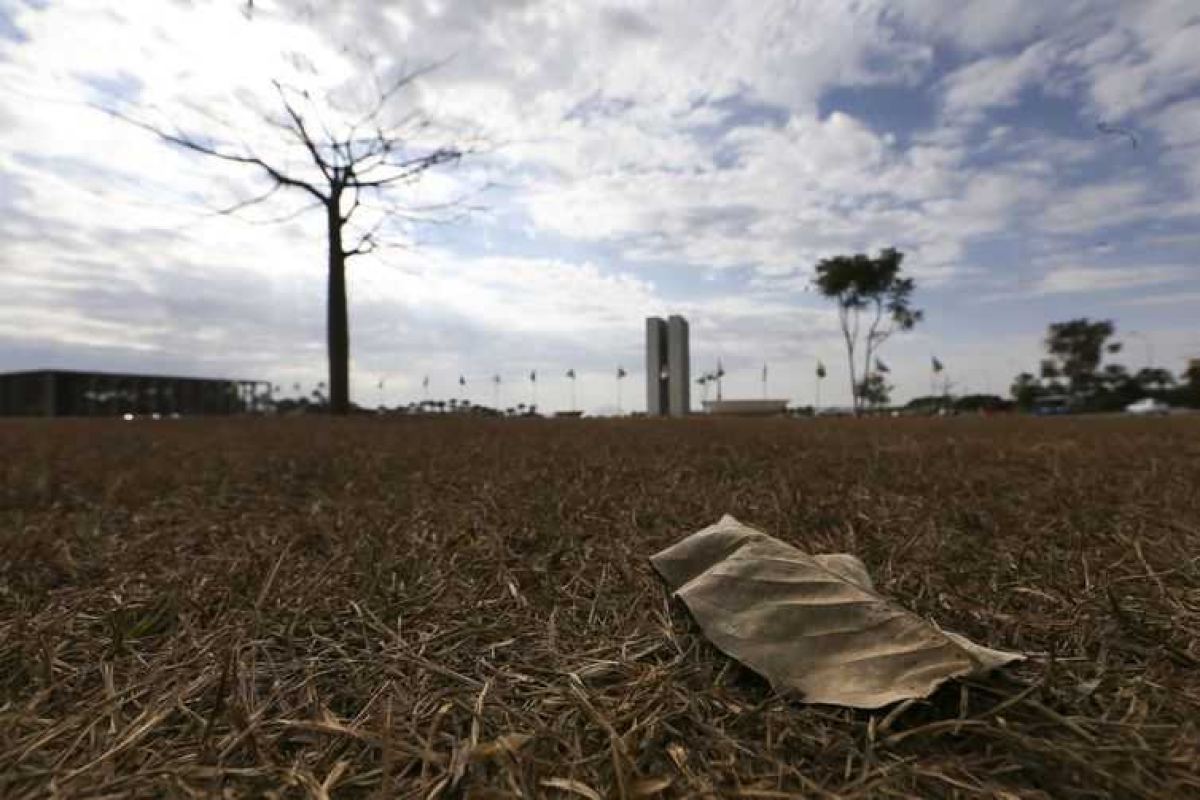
(668, 375)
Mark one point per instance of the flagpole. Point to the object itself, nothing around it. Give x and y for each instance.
(820, 377)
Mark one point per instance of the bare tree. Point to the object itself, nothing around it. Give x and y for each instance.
(354, 166)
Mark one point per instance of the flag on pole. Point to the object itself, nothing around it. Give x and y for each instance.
(621, 373)
(880, 366)
(462, 381)
(496, 379)
(764, 379)
(381, 383)
(571, 375)
(425, 383)
(533, 376)
(937, 365)
(720, 370)
(820, 377)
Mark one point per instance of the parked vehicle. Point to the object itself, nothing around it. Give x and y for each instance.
(1148, 406)
(1053, 404)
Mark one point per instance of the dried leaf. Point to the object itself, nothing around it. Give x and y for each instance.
(813, 624)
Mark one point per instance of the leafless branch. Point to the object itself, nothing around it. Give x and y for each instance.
(412, 167)
(366, 242)
(426, 214)
(288, 217)
(238, 206)
(188, 143)
(381, 101)
(302, 133)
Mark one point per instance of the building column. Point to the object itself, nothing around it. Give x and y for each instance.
(679, 383)
(656, 367)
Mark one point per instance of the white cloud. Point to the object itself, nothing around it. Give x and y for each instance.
(1179, 124)
(1160, 65)
(995, 82)
(988, 25)
(1081, 279)
(1098, 206)
(1172, 299)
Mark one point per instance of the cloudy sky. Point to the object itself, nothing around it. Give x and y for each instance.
(644, 158)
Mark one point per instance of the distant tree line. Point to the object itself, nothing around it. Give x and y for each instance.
(1074, 373)
(318, 403)
(874, 301)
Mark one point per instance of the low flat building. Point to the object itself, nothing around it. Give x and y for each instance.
(73, 393)
(746, 408)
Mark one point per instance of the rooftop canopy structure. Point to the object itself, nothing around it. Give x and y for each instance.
(69, 393)
(746, 408)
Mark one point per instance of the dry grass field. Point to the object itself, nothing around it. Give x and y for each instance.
(457, 608)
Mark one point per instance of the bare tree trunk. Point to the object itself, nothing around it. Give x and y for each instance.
(337, 320)
(844, 315)
(872, 344)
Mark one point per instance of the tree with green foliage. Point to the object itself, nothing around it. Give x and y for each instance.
(873, 288)
(1076, 348)
(1155, 379)
(1026, 389)
(1114, 377)
(1187, 391)
(1114, 388)
(982, 402)
(1191, 375)
(874, 391)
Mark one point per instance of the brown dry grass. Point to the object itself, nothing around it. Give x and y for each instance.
(465, 608)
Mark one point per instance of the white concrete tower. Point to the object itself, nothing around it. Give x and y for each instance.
(679, 372)
(656, 367)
